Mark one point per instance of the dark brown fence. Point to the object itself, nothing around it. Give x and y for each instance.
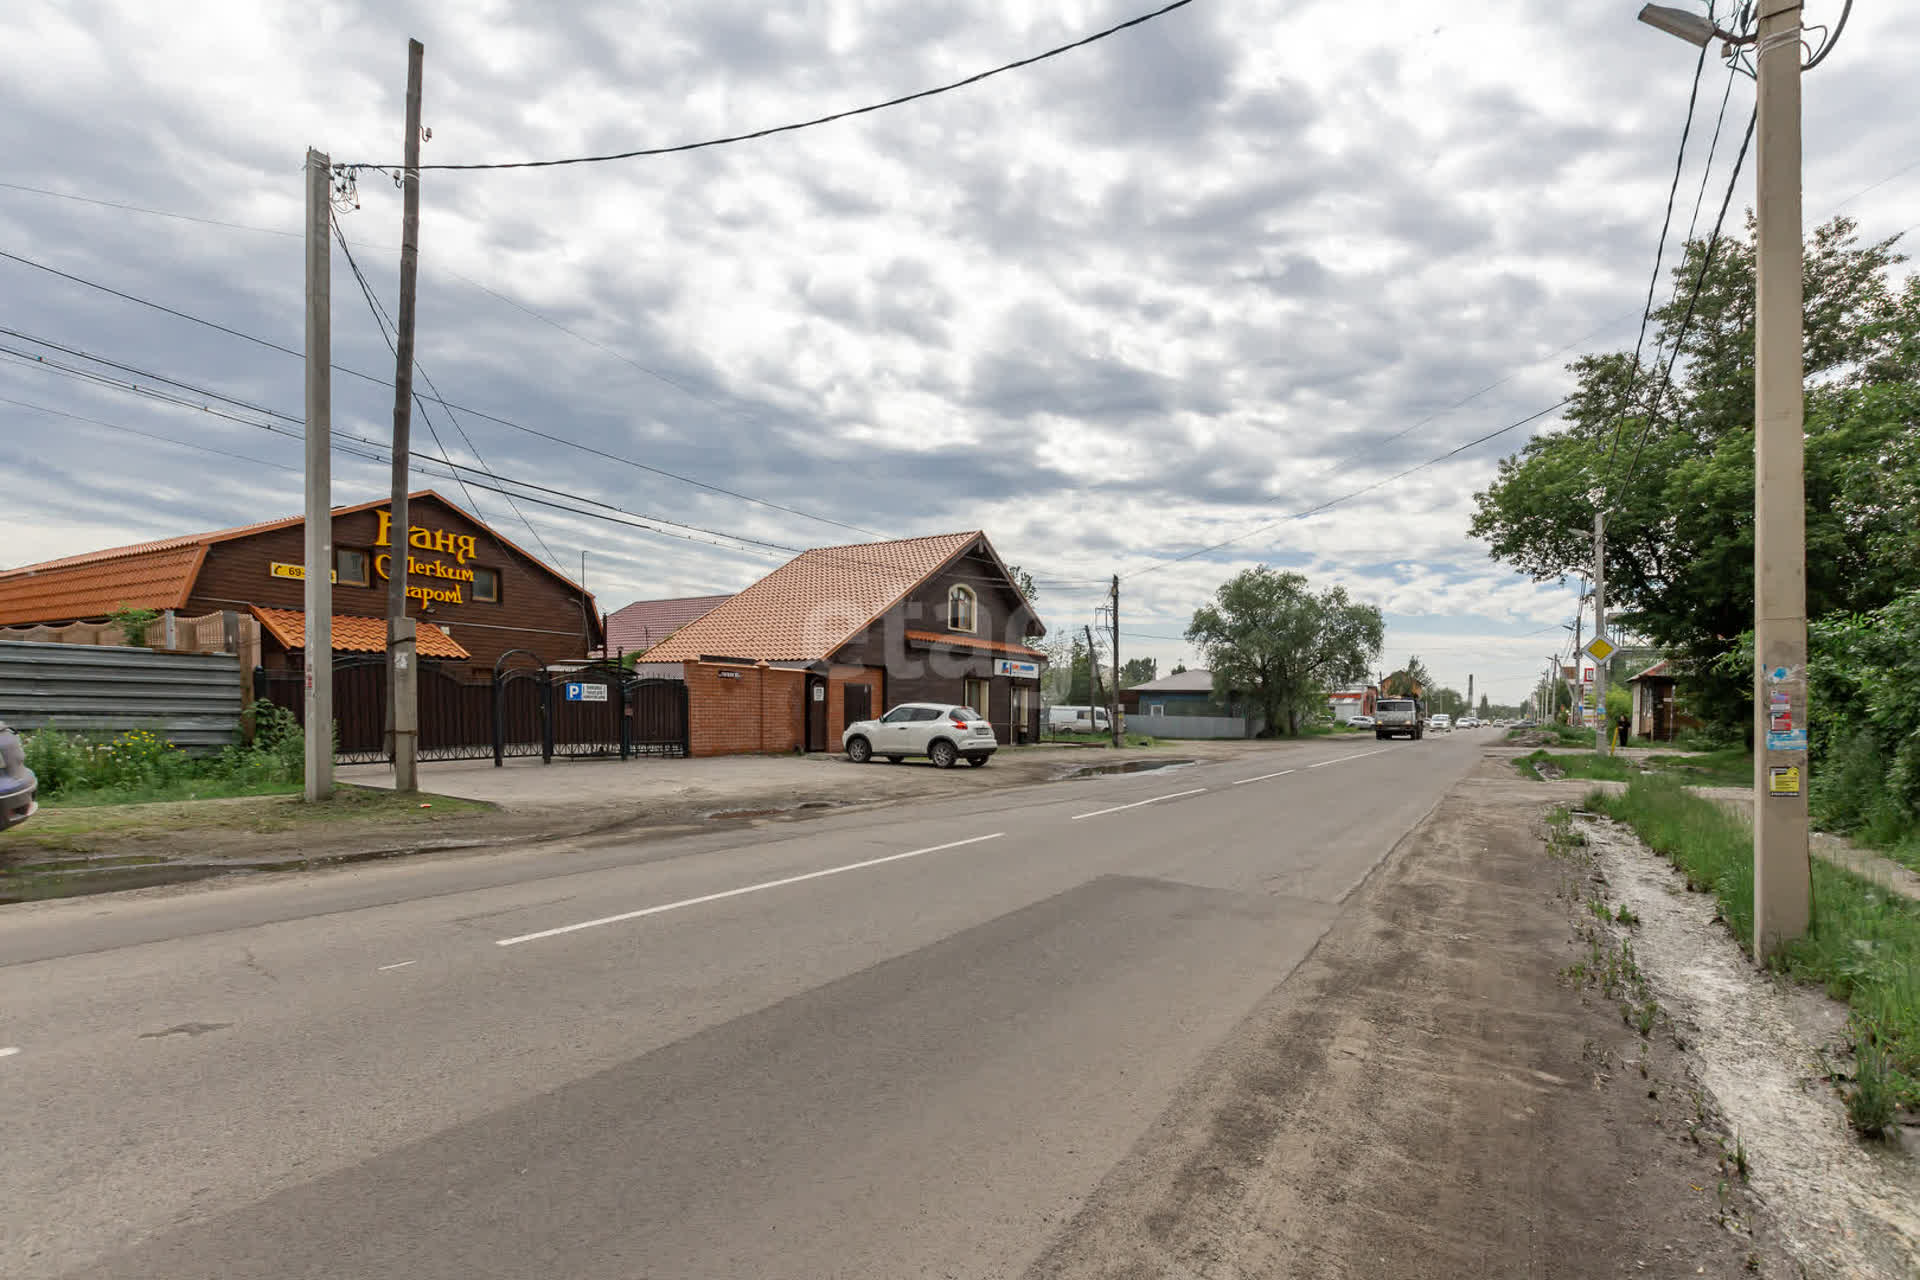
(597, 710)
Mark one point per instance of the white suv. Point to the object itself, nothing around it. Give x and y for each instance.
(939, 731)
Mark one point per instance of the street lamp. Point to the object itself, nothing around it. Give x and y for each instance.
(1782, 884)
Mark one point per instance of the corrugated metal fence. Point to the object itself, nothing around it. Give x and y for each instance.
(192, 699)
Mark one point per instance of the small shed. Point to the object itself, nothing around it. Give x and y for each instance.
(1653, 709)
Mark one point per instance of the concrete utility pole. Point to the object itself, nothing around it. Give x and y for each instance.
(318, 780)
(403, 709)
(1600, 733)
(1115, 712)
(1782, 876)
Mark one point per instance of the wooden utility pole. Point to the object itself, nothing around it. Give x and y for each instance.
(318, 774)
(403, 711)
(1115, 711)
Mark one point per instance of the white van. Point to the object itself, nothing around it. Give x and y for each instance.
(1079, 720)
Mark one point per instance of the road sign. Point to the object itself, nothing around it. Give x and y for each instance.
(577, 692)
(1599, 649)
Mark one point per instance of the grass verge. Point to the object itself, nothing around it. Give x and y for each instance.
(1574, 765)
(1565, 734)
(66, 826)
(1863, 946)
(1727, 767)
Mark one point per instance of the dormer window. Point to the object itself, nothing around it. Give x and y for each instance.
(961, 606)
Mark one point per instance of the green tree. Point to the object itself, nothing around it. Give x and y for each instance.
(1138, 671)
(1486, 708)
(1674, 464)
(1270, 638)
(1179, 669)
(1023, 580)
(1410, 681)
(1445, 701)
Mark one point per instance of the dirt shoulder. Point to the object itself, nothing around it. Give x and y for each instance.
(1429, 1096)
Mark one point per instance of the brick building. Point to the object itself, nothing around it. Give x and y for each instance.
(475, 593)
(838, 634)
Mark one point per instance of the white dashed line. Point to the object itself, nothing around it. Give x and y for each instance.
(734, 893)
(401, 965)
(1263, 777)
(9, 1051)
(1137, 803)
(1343, 759)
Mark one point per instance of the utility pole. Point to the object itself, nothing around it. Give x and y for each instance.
(1093, 675)
(403, 672)
(1782, 876)
(1600, 734)
(1115, 712)
(318, 739)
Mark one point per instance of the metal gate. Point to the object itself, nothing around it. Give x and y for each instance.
(525, 709)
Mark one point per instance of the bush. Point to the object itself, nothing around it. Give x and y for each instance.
(1862, 669)
(140, 764)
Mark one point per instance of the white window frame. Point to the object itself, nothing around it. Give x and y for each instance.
(986, 694)
(959, 591)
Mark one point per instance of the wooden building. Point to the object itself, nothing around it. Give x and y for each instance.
(475, 593)
(839, 634)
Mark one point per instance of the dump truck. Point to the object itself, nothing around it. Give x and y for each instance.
(1399, 718)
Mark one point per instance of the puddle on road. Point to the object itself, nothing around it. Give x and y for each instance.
(1127, 766)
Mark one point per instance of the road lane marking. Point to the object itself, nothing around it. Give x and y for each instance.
(9, 1051)
(734, 893)
(1343, 759)
(1137, 803)
(401, 965)
(1263, 777)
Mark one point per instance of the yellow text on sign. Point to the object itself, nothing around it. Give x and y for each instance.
(298, 572)
(1784, 782)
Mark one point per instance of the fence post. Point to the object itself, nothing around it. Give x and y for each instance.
(546, 717)
(499, 721)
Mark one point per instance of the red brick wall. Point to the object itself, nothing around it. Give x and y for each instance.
(752, 709)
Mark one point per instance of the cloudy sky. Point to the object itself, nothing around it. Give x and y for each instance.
(1157, 293)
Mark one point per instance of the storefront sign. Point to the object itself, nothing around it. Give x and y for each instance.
(577, 692)
(421, 538)
(1018, 670)
(298, 572)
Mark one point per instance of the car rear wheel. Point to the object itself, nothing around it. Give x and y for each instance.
(942, 754)
(859, 750)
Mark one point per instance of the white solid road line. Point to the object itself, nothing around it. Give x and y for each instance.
(1263, 777)
(1137, 803)
(734, 893)
(400, 965)
(1343, 759)
(9, 1051)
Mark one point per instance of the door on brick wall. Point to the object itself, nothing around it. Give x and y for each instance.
(816, 713)
(857, 702)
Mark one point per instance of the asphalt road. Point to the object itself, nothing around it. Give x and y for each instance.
(898, 1043)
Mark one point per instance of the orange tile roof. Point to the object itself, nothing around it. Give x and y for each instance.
(353, 634)
(971, 642)
(814, 603)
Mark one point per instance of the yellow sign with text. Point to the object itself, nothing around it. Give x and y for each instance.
(298, 572)
(420, 538)
(1784, 782)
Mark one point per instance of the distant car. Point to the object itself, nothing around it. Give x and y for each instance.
(17, 783)
(1065, 719)
(1360, 722)
(940, 731)
(1468, 722)
(1440, 722)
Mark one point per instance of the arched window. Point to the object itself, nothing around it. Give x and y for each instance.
(960, 609)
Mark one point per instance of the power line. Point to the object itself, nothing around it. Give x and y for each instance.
(803, 124)
(148, 435)
(1347, 497)
(1693, 299)
(445, 404)
(1660, 252)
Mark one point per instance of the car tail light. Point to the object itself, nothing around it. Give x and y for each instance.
(959, 724)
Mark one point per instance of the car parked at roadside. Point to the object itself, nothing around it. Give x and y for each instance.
(18, 786)
(940, 731)
(1360, 722)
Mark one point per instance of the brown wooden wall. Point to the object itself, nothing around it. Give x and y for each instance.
(921, 675)
(538, 611)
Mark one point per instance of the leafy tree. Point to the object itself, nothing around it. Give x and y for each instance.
(1023, 580)
(1179, 668)
(1674, 463)
(1269, 637)
(1486, 708)
(1445, 701)
(133, 623)
(1410, 681)
(1138, 671)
